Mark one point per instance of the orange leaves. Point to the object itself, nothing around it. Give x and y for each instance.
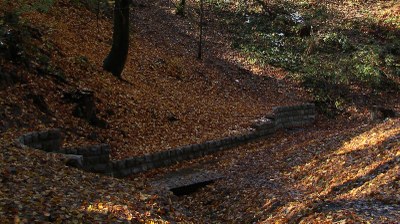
(300, 177)
(51, 192)
(170, 99)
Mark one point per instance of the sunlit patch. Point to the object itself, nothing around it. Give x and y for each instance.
(371, 138)
(122, 212)
(366, 166)
(380, 186)
(119, 211)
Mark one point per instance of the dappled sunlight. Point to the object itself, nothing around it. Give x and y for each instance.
(163, 83)
(339, 56)
(359, 168)
(371, 138)
(357, 157)
(118, 211)
(123, 212)
(381, 185)
(255, 68)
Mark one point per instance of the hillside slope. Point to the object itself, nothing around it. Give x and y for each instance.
(167, 99)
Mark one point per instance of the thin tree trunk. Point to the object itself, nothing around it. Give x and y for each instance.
(116, 59)
(199, 52)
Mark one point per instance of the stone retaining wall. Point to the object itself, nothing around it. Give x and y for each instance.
(294, 116)
(49, 141)
(96, 158)
(282, 117)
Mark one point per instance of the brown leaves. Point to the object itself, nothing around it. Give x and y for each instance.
(205, 102)
(169, 99)
(306, 177)
(51, 192)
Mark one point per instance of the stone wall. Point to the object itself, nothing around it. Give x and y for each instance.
(165, 158)
(49, 141)
(294, 116)
(97, 158)
(282, 118)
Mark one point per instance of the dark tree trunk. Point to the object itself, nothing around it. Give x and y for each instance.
(180, 9)
(115, 61)
(200, 47)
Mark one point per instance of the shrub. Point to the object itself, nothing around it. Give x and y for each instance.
(333, 42)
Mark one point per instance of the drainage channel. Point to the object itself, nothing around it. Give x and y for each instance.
(185, 181)
(191, 188)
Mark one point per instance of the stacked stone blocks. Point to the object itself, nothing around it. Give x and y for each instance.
(48, 141)
(96, 158)
(294, 116)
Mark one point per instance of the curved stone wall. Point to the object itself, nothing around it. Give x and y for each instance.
(96, 158)
(49, 141)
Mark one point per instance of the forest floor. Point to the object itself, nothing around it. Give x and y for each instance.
(341, 170)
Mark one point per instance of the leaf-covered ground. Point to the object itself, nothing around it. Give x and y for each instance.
(312, 175)
(343, 169)
(36, 187)
(168, 98)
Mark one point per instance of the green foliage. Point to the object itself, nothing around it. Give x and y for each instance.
(393, 63)
(95, 5)
(180, 8)
(327, 57)
(334, 41)
(88, 3)
(15, 10)
(327, 85)
(39, 5)
(218, 4)
(366, 64)
(43, 5)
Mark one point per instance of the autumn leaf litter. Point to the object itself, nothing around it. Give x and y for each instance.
(343, 172)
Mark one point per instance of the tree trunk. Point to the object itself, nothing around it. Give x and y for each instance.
(180, 9)
(115, 61)
(200, 46)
